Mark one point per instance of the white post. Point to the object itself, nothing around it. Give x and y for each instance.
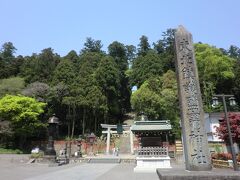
(131, 141)
(108, 140)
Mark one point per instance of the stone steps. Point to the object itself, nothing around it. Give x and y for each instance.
(124, 145)
(179, 147)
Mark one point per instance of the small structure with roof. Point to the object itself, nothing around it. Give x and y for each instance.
(152, 152)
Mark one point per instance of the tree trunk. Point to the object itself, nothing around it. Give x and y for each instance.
(69, 120)
(105, 117)
(95, 121)
(83, 121)
(74, 120)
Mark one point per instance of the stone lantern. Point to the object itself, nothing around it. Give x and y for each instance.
(91, 139)
(52, 134)
(79, 145)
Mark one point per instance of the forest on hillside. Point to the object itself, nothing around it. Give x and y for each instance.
(88, 87)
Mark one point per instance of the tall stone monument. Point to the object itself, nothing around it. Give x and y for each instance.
(192, 116)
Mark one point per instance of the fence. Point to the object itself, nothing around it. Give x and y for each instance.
(152, 151)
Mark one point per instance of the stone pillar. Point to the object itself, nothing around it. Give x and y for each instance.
(194, 136)
(131, 140)
(108, 140)
(166, 138)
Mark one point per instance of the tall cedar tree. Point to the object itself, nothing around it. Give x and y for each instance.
(143, 46)
(108, 78)
(119, 52)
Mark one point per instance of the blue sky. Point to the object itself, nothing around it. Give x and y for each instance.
(64, 24)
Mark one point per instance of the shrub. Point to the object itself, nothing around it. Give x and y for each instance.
(37, 155)
(222, 156)
(10, 151)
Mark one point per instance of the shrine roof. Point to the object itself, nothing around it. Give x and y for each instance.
(158, 125)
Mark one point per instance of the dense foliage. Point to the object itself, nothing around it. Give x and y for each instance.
(215, 72)
(92, 87)
(157, 98)
(23, 114)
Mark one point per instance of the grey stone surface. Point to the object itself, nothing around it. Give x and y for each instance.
(215, 174)
(13, 168)
(125, 172)
(79, 172)
(192, 116)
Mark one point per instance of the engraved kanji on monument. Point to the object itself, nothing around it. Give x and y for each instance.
(192, 116)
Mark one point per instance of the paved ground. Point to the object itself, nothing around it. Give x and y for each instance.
(78, 172)
(14, 167)
(17, 169)
(125, 172)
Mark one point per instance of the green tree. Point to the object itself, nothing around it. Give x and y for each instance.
(64, 73)
(27, 69)
(8, 50)
(108, 78)
(72, 56)
(13, 85)
(236, 85)
(88, 63)
(143, 46)
(131, 53)
(97, 105)
(92, 45)
(157, 98)
(234, 52)
(16, 65)
(215, 72)
(147, 101)
(145, 67)
(7, 60)
(46, 63)
(77, 100)
(119, 52)
(165, 48)
(40, 67)
(23, 114)
(55, 100)
(64, 77)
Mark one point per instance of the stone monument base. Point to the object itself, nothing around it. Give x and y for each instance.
(150, 164)
(180, 174)
(179, 158)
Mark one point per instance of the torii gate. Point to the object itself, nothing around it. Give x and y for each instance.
(126, 130)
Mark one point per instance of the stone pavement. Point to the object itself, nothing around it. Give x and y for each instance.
(125, 172)
(20, 170)
(97, 172)
(16, 168)
(79, 172)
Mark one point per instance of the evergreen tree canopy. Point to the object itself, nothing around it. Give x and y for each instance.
(64, 73)
(143, 46)
(145, 67)
(92, 45)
